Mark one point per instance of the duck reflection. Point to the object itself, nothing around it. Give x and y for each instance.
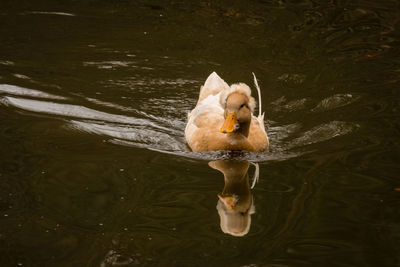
(235, 204)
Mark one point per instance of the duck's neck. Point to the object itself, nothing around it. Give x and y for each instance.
(244, 129)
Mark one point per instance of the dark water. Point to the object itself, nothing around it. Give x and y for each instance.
(94, 170)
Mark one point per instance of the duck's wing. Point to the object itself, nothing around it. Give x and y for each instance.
(204, 119)
(213, 85)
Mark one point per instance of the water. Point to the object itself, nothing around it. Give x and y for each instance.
(94, 169)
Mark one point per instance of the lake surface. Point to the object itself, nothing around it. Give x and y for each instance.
(94, 169)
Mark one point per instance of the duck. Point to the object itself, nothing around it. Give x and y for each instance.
(223, 119)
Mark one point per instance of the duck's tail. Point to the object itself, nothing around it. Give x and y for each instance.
(259, 95)
(260, 113)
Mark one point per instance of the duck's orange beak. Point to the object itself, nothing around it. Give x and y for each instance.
(229, 123)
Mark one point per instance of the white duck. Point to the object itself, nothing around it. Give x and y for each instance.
(223, 119)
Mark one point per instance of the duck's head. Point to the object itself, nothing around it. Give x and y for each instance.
(239, 105)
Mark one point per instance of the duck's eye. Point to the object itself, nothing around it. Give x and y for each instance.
(242, 105)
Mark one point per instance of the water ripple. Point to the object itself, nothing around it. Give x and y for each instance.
(21, 91)
(7, 63)
(48, 13)
(335, 101)
(165, 134)
(323, 132)
(108, 64)
(130, 135)
(69, 110)
(281, 104)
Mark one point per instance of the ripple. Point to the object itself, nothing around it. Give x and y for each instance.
(21, 91)
(150, 132)
(323, 132)
(69, 110)
(281, 132)
(335, 101)
(21, 76)
(108, 64)
(143, 84)
(49, 13)
(266, 156)
(7, 63)
(281, 104)
(114, 258)
(108, 104)
(292, 77)
(318, 247)
(130, 135)
(165, 134)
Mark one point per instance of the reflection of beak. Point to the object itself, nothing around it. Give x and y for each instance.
(229, 123)
(229, 201)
